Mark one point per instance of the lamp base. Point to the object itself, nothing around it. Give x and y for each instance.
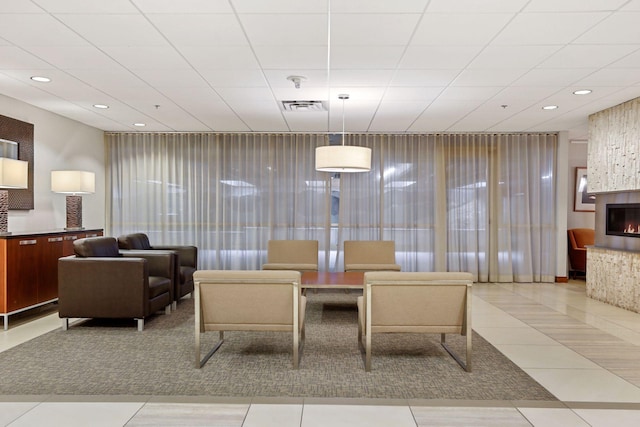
(74, 213)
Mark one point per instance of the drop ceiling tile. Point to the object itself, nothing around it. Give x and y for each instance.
(311, 78)
(200, 29)
(529, 94)
(306, 122)
(114, 30)
(588, 56)
(37, 30)
(279, 6)
(243, 77)
(84, 6)
(623, 76)
(378, 6)
(459, 29)
(246, 94)
(414, 93)
(366, 57)
(630, 61)
(183, 6)
(360, 77)
(633, 5)
(424, 77)
(621, 27)
(372, 29)
(396, 116)
(547, 28)
(19, 6)
(356, 94)
(194, 99)
(164, 57)
(573, 5)
(174, 78)
(13, 58)
(308, 94)
(67, 57)
(475, 6)
(469, 93)
(553, 76)
(277, 57)
(488, 77)
(513, 56)
(285, 30)
(436, 57)
(219, 56)
(108, 79)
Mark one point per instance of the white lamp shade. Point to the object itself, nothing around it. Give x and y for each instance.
(73, 182)
(13, 173)
(343, 158)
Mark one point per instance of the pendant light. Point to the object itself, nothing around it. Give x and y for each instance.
(343, 158)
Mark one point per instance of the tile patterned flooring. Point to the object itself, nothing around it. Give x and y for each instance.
(585, 352)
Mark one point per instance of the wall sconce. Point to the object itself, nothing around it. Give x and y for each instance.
(73, 183)
(13, 174)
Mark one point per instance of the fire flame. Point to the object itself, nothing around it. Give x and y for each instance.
(630, 229)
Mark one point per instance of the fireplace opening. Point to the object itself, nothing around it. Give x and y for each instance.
(623, 219)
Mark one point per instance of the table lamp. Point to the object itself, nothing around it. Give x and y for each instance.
(13, 174)
(73, 183)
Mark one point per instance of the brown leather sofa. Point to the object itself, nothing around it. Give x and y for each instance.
(100, 282)
(579, 238)
(186, 260)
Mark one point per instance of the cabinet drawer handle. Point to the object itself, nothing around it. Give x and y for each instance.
(27, 242)
(55, 239)
(70, 237)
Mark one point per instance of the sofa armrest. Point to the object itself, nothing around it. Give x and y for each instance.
(188, 254)
(102, 287)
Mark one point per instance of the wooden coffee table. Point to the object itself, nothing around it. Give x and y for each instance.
(329, 280)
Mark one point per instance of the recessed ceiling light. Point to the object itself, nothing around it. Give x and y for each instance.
(139, 124)
(102, 106)
(41, 79)
(582, 92)
(549, 107)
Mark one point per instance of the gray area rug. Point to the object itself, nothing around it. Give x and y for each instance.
(102, 357)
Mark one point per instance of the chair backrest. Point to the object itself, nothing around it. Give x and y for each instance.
(96, 247)
(581, 237)
(292, 252)
(248, 300)
(418, 302)
(366, 254)
(134, 241)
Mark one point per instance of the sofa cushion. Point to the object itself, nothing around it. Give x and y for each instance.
(96, 247)
(134, 241)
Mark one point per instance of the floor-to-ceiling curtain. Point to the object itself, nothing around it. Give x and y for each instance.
(482, 203)
(228, 194)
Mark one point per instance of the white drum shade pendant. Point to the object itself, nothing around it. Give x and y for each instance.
(343, 158)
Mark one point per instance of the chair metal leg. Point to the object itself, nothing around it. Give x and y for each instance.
(201, 363)
(140, 324)
(174, 305)
(465, 365)
(65, 324)
(167, 309)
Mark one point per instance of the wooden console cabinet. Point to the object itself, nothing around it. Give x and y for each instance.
(29, 268)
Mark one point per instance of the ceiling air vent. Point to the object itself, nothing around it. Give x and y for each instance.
(304, 106)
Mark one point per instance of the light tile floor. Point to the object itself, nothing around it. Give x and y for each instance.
(583, 351)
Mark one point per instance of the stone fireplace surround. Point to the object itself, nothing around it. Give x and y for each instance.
(613, 263)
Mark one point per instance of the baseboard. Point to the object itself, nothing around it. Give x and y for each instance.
(562, 279)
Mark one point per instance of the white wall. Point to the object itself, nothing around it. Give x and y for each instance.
(577, 158)
(59, 143)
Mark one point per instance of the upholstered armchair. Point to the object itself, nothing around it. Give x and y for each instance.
(100, 282)
(297, 255)
(370, 255)
(579, 239)
(416, 303)
(248, 301)
(186, 261)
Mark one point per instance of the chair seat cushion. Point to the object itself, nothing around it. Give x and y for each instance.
(158, 286)
(372, 267)
(287, 266)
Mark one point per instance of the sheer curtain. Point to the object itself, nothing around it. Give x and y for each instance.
(228, 194)
(482, 203)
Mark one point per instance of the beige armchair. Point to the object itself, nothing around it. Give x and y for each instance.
(297, 255)
(248, 301)
(416, 303)
(370, 255)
